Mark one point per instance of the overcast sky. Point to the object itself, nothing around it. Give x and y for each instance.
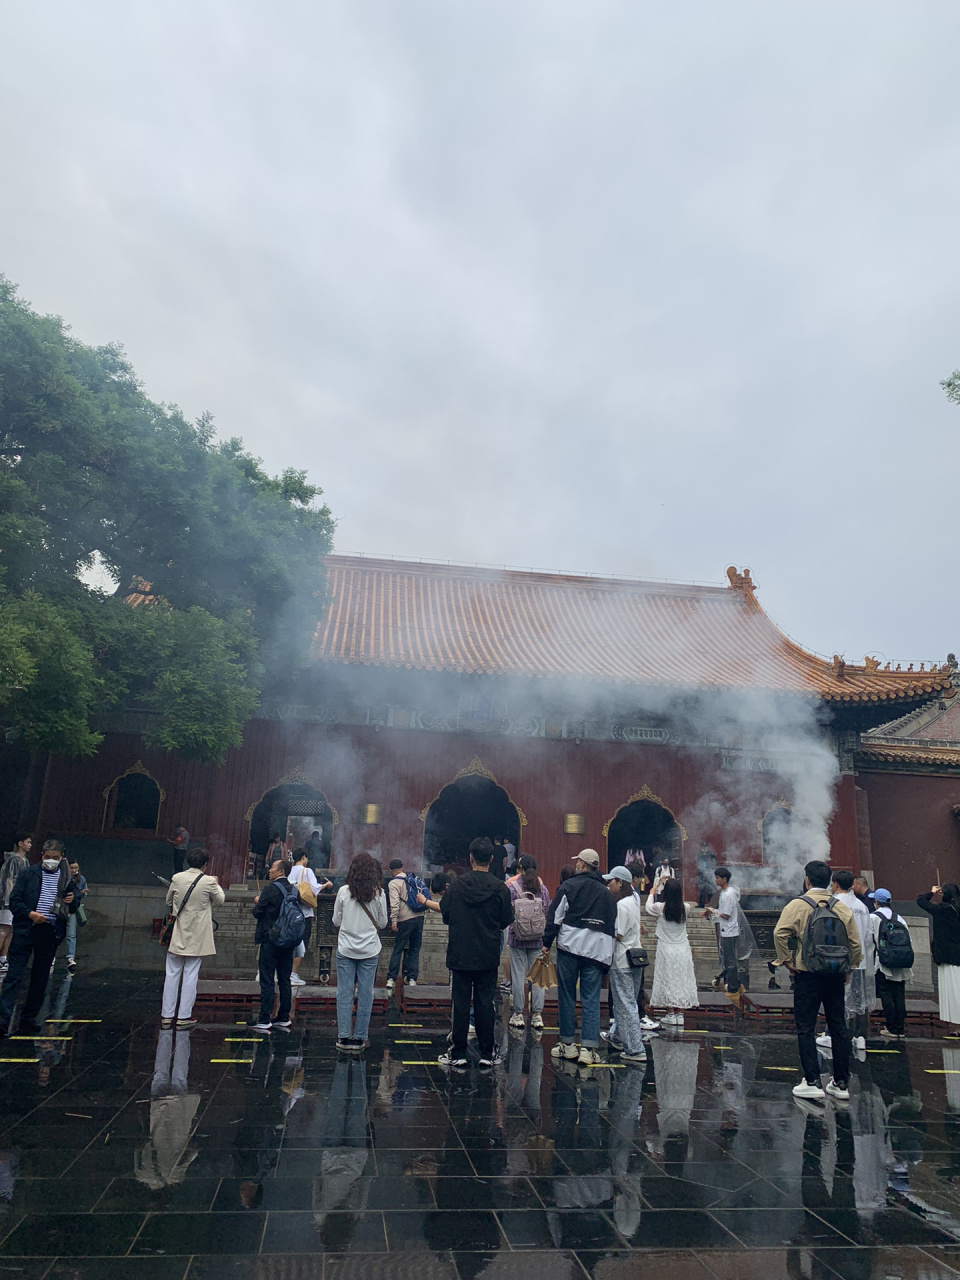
(629, 288)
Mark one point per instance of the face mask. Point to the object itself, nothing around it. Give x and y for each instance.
(51, 864)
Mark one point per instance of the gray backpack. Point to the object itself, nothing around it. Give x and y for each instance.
(825, 947)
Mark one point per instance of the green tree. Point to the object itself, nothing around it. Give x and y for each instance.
(227, 558)
(951, 386)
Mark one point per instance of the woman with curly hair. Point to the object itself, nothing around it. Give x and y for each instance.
(360, 912)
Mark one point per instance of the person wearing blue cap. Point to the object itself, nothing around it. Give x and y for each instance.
(894, 949)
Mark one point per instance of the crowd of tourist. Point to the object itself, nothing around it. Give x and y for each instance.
(841, 943)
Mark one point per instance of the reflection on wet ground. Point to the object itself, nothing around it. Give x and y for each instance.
(217, 1153)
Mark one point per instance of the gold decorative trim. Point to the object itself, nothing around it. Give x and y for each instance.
(646, 794)
(475, 769)
(296, 777)
(140, 768)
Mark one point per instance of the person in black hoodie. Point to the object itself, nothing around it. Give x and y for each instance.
(583, 920)
(476, 908)
(275, 962)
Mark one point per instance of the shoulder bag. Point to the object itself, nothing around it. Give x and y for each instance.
(170, 919)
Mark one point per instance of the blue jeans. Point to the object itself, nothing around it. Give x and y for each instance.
(570, 969)
(359, 973)
(72, 923)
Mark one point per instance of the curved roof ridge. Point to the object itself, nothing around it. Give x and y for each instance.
(504, 622)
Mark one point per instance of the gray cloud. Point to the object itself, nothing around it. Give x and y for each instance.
(624, 287)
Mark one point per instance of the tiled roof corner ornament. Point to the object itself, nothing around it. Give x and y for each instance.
(839, 666)
(740, 581)
(871, 664)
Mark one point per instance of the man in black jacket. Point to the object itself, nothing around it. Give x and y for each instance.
(476, 908)
(583, 919)
(41, 900)
(276, 963)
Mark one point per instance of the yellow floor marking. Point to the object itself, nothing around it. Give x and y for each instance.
(932, 1071)
(46, 1039)
(720, 1046)
(418, 1062)
(413, 1042)
(231, 1059)
(896, 1051)
(19, 1059)
(766, 1068)
(243, 1039)
(61, 1022)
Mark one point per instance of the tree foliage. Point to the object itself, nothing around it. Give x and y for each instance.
(91, 469)
(951, 386)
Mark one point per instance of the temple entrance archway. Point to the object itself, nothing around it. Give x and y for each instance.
(644, 828)
(473, 805)
(293, 810)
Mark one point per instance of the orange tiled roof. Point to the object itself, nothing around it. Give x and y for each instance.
(907, 753)
(430, 617)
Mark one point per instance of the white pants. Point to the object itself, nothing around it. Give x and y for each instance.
(187, 968)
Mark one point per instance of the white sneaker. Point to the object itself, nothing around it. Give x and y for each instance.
(859, 1042)
(536, 1022)
(411, 982)
(518, 1022)
(589, 1058)
(824, 1042)
(842, 1094)
(568, 1051)
(389, 984)
(649, 1024)
(805, 1090)
(296, 980)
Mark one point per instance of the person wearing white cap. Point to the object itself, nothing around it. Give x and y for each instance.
(626, 977)
(894, 950)
(583, 921)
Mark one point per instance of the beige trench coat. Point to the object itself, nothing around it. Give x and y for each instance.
(193, 931)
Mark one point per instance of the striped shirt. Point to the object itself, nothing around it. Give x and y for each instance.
(48, 893)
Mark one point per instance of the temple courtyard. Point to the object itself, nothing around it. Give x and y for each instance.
(213, 1153)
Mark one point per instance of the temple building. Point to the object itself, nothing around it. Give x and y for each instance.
(556, 712)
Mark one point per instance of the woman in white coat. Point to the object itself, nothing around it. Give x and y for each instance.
(192, 896)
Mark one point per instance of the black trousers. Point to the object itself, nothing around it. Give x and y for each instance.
(480, 987)
(893, 997)
(731, 969)
(410, 939)
(39, 941)
(275, 963)
(811, 990)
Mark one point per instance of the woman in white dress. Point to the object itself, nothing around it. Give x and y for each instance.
(674, 979)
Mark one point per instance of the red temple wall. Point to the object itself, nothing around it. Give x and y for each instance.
(404, 770)
(913, 831)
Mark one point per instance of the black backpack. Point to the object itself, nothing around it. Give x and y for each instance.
(894, 945)
(825, 946)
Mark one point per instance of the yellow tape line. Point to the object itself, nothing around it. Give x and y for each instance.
(243, 1039)
(231, 1059)
(413, 1042)
(46, 1039)
(766, 1068)
(19, 1059)
(60, 1022)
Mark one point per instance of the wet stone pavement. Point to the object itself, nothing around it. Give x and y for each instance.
(128, 1151)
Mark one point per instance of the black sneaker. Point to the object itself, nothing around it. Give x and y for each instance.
(449, 1059)
(345, 1045)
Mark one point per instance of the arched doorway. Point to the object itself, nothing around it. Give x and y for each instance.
(132, 801)
(644, 828)
(473, 805)
(294, 809)
(777, 836)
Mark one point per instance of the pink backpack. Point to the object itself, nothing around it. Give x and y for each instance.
(529, 920)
